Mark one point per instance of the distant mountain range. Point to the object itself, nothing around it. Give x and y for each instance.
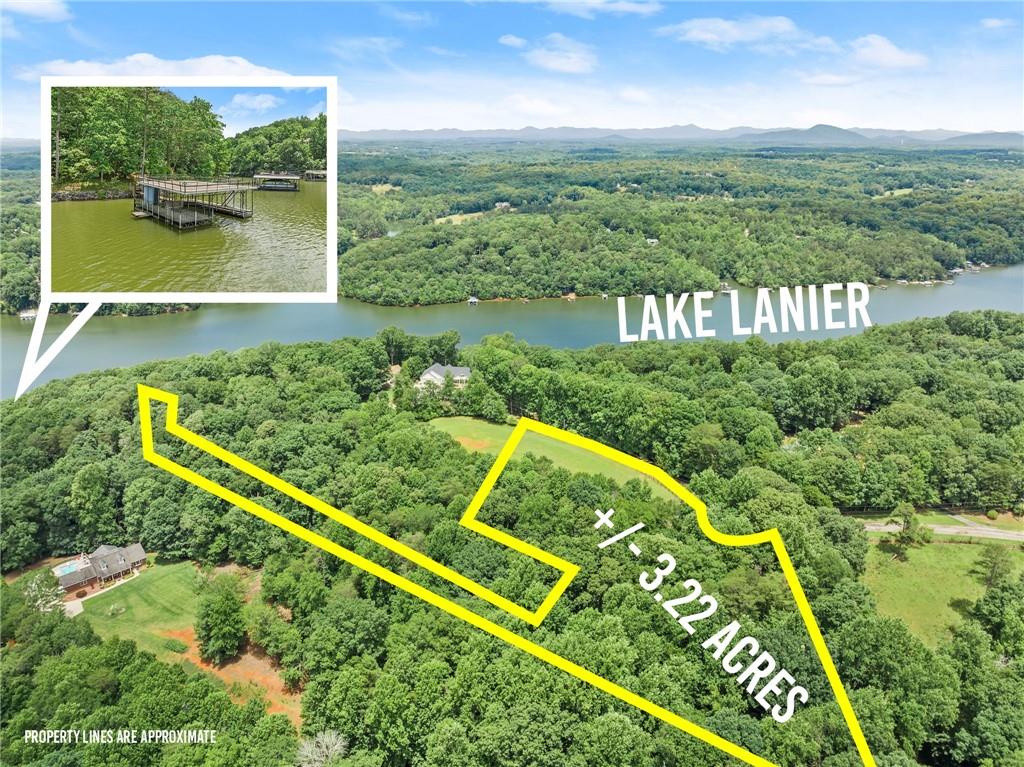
(819, 135)
(744, 135)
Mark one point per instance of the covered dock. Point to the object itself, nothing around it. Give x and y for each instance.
(277, 182)
(315, 175)
(192, 203)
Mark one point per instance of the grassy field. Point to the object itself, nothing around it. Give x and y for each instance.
(1004, 521)
(457, 218)
(156, 609)
(893, 193)
(481, 436)
(931, 588)
(382, 188)
(159, 600)
(939, 518)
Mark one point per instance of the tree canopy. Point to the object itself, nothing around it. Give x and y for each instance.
(923, 412)
(106, 133)
(427, 224)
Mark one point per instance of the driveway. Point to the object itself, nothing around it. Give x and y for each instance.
(968, 530)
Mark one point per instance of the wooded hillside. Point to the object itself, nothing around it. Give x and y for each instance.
(106, 134)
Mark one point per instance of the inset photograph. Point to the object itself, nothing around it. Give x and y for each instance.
(157, 189)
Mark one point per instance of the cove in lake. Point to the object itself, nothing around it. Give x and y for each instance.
(99, 247)
(107, 342)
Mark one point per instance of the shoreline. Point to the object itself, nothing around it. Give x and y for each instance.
(86, 195)
(881, 283)
(568, 298)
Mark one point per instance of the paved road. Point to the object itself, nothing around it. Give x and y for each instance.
(969, 530)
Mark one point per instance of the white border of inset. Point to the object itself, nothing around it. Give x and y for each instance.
(46, 84)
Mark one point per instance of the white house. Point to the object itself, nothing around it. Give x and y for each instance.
(436, 374)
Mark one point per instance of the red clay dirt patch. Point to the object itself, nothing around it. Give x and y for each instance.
(252, 669)
(471, 443)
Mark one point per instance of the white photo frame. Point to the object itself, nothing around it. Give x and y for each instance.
(48, 295)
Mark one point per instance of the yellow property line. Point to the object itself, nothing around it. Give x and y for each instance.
(147, 394)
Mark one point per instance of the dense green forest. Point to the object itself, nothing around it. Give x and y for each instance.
(295, 143)
(56, 670)
(107, 133)
(551, 219)
(19, 245)
(785, 435)
(19, 234)
(579, 220)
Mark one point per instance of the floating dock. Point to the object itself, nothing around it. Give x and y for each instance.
(191, 203)
(277, 182)
(314, 175)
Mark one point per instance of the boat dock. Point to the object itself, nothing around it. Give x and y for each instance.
(314, 175)
(277, 182)
(191, 203)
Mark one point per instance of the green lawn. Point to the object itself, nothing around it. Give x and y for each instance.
(939, 518)
(159, 599)
(928, 590)
(474, 434)
(1004, 521)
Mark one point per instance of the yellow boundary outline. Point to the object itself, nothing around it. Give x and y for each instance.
(148, 393)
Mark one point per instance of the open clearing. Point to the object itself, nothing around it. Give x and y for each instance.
(893, 193)
(251, 675)
(931, 588)
(157, 608)
(159, 599)
(457, 218)
(481, 436)
(383, 188)
(1005, 521)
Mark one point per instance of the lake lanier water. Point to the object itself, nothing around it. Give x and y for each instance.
(118, 341)
(99, 246)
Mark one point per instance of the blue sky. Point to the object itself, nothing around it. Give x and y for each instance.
(241, 108)
(607, 63)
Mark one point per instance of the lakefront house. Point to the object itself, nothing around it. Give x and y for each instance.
(105, 564)
(436, 374)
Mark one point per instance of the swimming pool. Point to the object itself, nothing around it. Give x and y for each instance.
(67, 567)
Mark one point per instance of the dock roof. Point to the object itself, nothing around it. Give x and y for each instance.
(196, 186)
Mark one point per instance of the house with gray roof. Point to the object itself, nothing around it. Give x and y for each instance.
(104, 564)
(436, 374)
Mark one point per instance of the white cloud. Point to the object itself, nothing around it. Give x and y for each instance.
(444, 52)
(7, 29)
(588, 9)
(512, 41)
(360, 48)
(252, 102)
(635, 95)
(405, 16)
(830, 79)
(148, 64)
(83, 38)
(997, 23)
(880, 52)
(558, 53)
(959, 97)
(770, 34)
(531, 106)
(315, 110)
(41, 10)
